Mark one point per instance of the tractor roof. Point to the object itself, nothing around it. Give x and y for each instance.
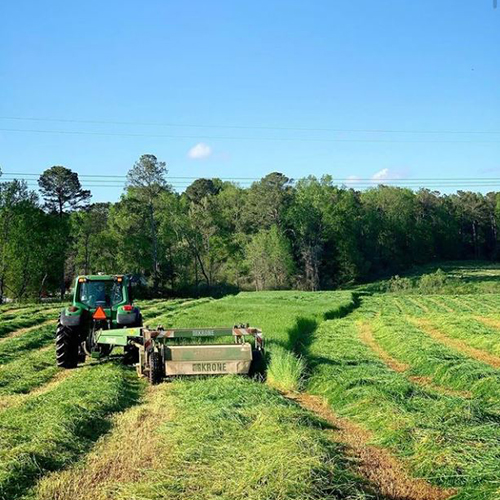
(100, 277)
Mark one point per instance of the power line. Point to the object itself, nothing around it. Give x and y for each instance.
(124, 176)
(409, 184)
(246, 127)
(179, 182)
(242, 138)
(340, 179)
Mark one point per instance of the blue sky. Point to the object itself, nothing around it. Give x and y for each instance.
(301, 87)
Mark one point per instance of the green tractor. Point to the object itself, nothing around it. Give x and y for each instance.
(103, 316)
(100, 302)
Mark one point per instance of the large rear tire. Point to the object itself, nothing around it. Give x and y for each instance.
(66, 346)
(155, 368)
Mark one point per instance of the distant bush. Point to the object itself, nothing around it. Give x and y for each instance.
(436, 282)
(397, 284)
(433, 283)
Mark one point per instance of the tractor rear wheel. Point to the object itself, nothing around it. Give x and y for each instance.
(66, 346)
(155, 368)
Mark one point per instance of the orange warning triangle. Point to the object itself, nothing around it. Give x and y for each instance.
(100, 313)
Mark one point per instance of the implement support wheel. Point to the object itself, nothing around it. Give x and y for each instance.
(155, 368)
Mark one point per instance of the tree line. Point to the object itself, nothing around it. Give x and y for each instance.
(216, 236)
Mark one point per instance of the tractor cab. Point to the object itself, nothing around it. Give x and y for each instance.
(105, 291)
(100, 302)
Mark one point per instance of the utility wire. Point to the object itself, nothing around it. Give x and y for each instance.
(242, 138)
(246, 127)
(360, 180)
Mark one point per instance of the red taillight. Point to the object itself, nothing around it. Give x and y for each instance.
(128, 307)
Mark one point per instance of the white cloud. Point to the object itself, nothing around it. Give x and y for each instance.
(200, 151)
(382, 175)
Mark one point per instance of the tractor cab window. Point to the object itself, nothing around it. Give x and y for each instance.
(100, 293)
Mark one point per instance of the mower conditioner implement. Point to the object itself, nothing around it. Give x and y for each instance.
(169, 352)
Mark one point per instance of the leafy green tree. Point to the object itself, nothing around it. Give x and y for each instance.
(267, 202)
(474, 216)
(62, 191)
(202, 188)
(93, 247)
(146, 181)
(269, 259)
(26, 240)
(202, 229)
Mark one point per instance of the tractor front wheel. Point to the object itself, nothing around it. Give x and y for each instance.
(66, 347)
(155, 368)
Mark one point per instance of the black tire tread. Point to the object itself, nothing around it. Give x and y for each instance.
(155, 374)
(66, 347)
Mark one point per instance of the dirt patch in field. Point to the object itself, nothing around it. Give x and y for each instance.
(120, 457)
(366, 335)
(22, 331)
(456, 344)
(376, 464)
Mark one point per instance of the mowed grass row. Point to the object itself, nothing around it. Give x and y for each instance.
(227, 438)
(481, 332)
(424, 305)
(449, 440)
(25, 320)
(49, 431)
(406, 342)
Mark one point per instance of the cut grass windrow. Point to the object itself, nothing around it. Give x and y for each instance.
(7, 327)
(376, 464)
(11, 400)
(459, 345)
(225, 438)
(49, 431)
(366, 335)
(450, 441)
(28, 371)
(24, 331)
